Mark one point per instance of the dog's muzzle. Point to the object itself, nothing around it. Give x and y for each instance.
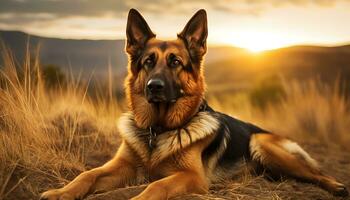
(160, 91)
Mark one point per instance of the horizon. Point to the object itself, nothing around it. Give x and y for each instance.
(210, 44)
(254, 25)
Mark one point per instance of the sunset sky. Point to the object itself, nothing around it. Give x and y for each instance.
(252, 24)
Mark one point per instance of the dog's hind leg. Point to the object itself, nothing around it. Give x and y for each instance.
(284, 157)
(115, 173)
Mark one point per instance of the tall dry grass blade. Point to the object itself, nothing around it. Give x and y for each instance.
(110, 81)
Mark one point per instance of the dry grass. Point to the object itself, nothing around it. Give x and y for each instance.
(51, 135)
(48, 132)
(308, 111)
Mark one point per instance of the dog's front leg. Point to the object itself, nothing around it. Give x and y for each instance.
(180, 183)
(115, 173)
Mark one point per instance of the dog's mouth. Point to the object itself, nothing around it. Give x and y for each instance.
(160, 99)
(156, 99)
(167, 96)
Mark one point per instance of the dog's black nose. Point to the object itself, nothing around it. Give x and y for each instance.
(155, 85)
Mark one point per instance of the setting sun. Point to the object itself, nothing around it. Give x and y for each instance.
(260, 41)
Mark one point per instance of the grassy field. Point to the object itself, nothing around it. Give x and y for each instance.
(48, 135)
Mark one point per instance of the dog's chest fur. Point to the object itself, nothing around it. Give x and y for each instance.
(168, 143)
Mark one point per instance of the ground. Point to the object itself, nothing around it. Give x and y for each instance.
(334, 162)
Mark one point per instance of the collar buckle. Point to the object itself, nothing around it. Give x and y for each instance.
(152, 138)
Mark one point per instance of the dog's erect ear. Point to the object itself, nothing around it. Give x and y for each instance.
(137, 32)
(195, 34)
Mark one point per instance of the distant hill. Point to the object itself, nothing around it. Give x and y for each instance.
(226, 67)
(79, 55)
(297, 62)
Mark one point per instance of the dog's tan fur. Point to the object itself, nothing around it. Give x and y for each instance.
(176, 164)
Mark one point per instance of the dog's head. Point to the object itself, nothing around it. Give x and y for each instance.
(165, 84)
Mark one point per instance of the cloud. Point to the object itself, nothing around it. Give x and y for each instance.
(30, 14)
(64, 8)
(67, 8)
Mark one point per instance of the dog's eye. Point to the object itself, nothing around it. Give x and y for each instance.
(175, 62)
(148, 62)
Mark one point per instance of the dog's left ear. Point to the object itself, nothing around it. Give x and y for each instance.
(195, 34)
(137, 33)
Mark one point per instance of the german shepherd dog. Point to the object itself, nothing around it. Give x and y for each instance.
(172, 138)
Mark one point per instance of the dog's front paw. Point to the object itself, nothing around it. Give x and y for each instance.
(57, 194)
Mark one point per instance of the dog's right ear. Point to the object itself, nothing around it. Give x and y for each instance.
(137, 33)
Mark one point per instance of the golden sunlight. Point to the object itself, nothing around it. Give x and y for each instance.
(260, 41)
